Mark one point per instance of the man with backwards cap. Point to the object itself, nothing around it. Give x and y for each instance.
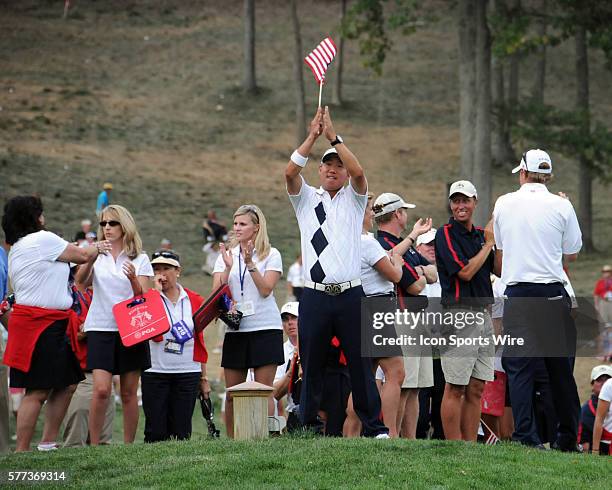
(599, 375)
(330, 220)
(535, 232)
(392, 218)
(465, 259)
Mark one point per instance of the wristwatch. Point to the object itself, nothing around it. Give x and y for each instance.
(337, 141)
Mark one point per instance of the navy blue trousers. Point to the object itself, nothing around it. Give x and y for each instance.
(521, 371)
(322, 317)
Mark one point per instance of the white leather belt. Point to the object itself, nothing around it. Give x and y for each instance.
(333, 289)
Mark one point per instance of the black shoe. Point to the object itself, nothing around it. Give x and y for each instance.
(572, 448)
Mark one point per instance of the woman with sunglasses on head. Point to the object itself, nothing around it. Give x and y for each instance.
(119, 275)
(178, 358)
(252, 269)
(38, 351)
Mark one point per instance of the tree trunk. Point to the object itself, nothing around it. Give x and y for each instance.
(513, 75)
(300, 110)
(585, 179)
(467, 84)
(337, 89)
(502, 151)
(537, 94)
(482, 148)
(249, 83)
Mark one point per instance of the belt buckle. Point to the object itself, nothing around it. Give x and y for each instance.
(333, 289)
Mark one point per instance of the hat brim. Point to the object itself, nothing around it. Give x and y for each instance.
(463, 193)
(516, 169)
(165, 261)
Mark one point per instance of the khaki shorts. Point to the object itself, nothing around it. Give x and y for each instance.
(419, 372)
(460, 363)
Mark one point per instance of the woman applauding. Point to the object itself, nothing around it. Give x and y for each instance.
(252, 268)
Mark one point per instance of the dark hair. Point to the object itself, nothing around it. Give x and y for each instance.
(21, 217)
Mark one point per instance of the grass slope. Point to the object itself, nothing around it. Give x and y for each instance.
(293, 462)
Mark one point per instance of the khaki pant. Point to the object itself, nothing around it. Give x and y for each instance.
(4, 405)
(76, 432)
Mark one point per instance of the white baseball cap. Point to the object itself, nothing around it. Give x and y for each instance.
(531, 161)
(600, 371)
(428, 237)
(292, 307)
(388, 202)
(464, 187)
(331, 151)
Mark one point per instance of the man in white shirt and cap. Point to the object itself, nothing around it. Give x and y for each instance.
(330, 220)
(535, 231)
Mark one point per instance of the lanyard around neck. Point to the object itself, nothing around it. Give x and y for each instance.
(168, 309)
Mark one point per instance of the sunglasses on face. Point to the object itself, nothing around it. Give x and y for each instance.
(166, 254)
(109, 223)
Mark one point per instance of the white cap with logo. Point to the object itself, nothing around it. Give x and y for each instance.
(464, 187)
(601, 370)
(531, 161)
(388, 202)
(292, 307)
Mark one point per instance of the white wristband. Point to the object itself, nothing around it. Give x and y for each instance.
(298, 159)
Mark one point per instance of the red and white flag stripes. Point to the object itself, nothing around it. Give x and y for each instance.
(320, 58)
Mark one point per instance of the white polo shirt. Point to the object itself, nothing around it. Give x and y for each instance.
(288, 350)
(168, 362)
(37, 277)
(340, 221)
(111, 286)
(295, 275)
(372, 281)
(606, 395)
(535, 228)
(265, 314)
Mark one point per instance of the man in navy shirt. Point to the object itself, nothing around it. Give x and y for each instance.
(465, 259)
(392, 218)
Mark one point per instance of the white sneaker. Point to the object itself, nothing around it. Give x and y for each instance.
(384, 435)
(47, 446)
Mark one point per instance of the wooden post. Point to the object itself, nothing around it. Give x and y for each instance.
(250, 410)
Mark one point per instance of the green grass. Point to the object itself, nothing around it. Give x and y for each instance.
(296, 462)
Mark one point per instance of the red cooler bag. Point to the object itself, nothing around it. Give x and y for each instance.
(217, 303)
(494, 395)
(141, 318)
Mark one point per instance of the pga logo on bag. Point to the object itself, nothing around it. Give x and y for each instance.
(141, 318)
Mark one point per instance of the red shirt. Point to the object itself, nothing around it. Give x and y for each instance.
(603, 287)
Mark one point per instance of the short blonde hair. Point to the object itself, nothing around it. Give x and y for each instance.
(132, 243)
(262, 241)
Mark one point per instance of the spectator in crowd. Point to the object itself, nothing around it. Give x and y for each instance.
(465, 259)
(37, 350)
(90, 237)
(602, 429)
(213, 229)
(85, 228)
(599, 375)
(76, 429)
(602, 297)
(379, 272)
(295, 279)
(178, 358)
(536, 231)
(429, 423)
(79, 239)
(330, 220)
(392, 218)
(121, 274)
(289, 316)
(211, 253)
(104, 197)
(4, 394)
(165, 244)
(252, 269)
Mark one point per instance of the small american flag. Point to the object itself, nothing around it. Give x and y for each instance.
(320, 58)
(490, 439)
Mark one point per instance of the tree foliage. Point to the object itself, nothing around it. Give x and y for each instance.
(371, 21)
